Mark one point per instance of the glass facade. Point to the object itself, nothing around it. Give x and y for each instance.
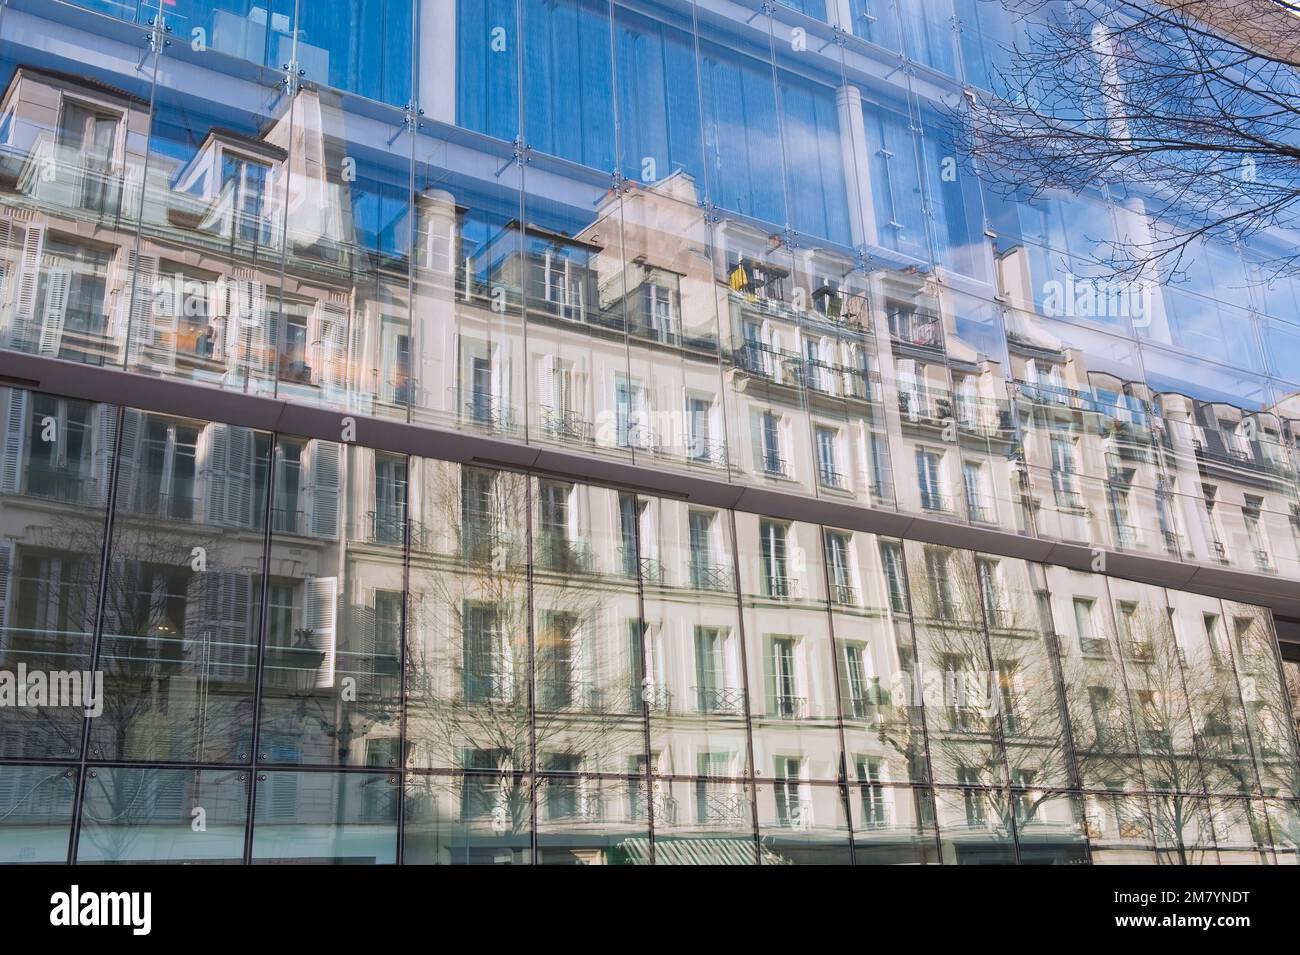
(743, 250)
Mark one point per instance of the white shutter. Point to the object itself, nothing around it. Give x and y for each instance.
(105, 446)
(241, 453)
(546, 382)
(320, 608)
(329, 337)
(151, 345)
(218, 614)
(128, 458)
(55, 311)
(325, 489)
(28, 286)
(6, 578)
(359, 644)
(247, 330)
(15, 424)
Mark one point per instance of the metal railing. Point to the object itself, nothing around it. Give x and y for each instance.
(721, 700)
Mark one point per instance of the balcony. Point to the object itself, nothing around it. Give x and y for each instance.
(758, 360)
(1126, 536)
(1263, 561)
(793, 813)
(776, 466)
(487, 686)
(709, 576)
(980, 513)
(845, 594)
(720, 700)
(653, 572)
(656, 697)
(729, 810)
(554, 551)
(562, 693)
(830, 478)
(790, 707)
(386, 528)
(780, 587)
(710, 453)
(937, 503)
(483, 410)
(1068, 499)
(663, 806)
(563, 425)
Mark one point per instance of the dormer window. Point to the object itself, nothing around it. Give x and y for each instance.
(87, 144)
(244, 183)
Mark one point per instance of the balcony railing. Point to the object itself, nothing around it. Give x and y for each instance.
(845, 594)
(829, 477)
(720, 700)
(484, 410)
(723, 809)
(386, 527)
(939, 503)
(793, 813)
(780, 587)
(711, 453)
(1263, 561)
(1126, 535)
(560, 693)
(487, 686)
(790, 707)
(707, 576)
(775, 466)
(565, 425)
(555, 552)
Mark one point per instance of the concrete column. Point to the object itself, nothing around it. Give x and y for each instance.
(435, 68)
(857, 166)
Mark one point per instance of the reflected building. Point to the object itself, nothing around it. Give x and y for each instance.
(452, 449)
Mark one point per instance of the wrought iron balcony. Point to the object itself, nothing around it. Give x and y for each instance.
(709, 576)
(720, 700)
(487, 686)
(793, 813)
(829, 477)
(781, 587)
(565, 425)
(559, 693)
(845, 594)
(554, 551)
(790, 707)
(723, 809)
(775, 466)
(938, 503)
(710, 453)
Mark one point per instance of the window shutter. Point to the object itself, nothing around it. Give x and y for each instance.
(55, 310)
(325, 489)
(128, 454)
(213, 452)
(330, 342)
(15, 421)
(320, 608)
(359, 646)
(218, 614)
(29, 275)
(105, 445)
(152, 337)
(240, 452)
(6, 576)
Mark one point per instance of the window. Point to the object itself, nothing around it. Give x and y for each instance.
(943, 592)
(632, 414)
(712, 692)
(773, 463)
(828, 474)
(1010, 694)
(875, 803)
(478, 525)
(244, 192)
(389, 517)
(773, 543)
(557, 661)
(973, 482)
(166, 482)
(786, 703)
(791, 809)
(974, 801)
(1090, 643)
(62, 469)
(388, 631)
(1213, 637)
(988, 576)
(841, 572)
(1100, 706)
(891, 556)
(87, 142)
(1063, 473)
(486, 665)
(928, 465)
(855, 679)
(1131, 633)
(706, 572)
(699, 414)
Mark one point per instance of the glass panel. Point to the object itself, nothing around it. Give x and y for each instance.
(182, 596)
(706, 822)
(335, 615)
(802, 823)
(54, 489)
(474, 819)
(35, 813)
(325, 818)
(163, 816)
